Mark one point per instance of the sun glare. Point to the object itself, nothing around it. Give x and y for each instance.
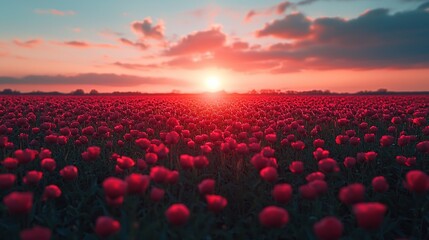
(212, 84)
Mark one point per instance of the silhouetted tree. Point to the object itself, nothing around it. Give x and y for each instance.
(78, 92)
(93, 92)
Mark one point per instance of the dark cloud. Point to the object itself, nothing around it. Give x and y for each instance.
(136, 66)
(277, 9)
(91, 79)
(376, 39)
(146, 29)
(295, 25)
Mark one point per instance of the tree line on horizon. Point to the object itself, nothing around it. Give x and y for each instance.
(93, 92)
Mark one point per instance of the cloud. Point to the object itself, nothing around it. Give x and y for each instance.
(146, 29)
(140, 45)
(377, 39)
(54, 12)
(84, 44)
(295, 25)
(136, 66)
(29, 43)
(199, 42)
(112, 80)
(277, 9)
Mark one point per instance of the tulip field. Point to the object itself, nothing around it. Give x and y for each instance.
(214, 167)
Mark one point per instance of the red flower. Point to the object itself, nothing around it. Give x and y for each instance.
(177, 214)
(151, 158)
(157, 194)
(315, 176)
(91, 154)
(125, 162)
(423, 147)
(32, 177)
(10, 163)
(7, 180)
(51, 191)
(349, 162)
(137, 183)
(298, 145)
(201, 162)
(25, 156)
(173, 177)
(36, 233)
(172, 137)
(282, 193)
(259, 161)
(308, 192)
(114, 187)
(216, 203)
(320, 154)
(206, 186)
(69, 172)
(48, 164)
(296, 167)
(269, 174)
(273, 217)
(352, 193)
(143, 143)
(320, 186)
(386, 141)
(417, 181)
(186, 161)
(159, 174)
(328, 228)
(369, 215)
(370, 156)
(318, 143)
(379, 184)
(18, 202)
(106, 226)
(328, 165)
(369, 137)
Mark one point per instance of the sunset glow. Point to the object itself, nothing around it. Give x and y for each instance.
(342, 46)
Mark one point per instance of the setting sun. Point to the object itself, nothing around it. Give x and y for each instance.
(212, 84)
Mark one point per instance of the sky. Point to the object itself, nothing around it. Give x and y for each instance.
(198, 46)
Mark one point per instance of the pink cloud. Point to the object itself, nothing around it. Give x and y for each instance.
(199, 42)
(140, 45)
(29, 43)
(277, 9)
(54, 12)
(146, 29)
(84, 44)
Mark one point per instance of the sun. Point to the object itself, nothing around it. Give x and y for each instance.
(212, 83)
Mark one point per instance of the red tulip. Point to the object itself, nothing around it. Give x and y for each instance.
(328, 165)
(296, 167)
(151, 158)
(269, 174)
(352, 193)
(137, 183)
(386, 141)
(106, 226)
(36, 233)
(48, 164)
(423, 147)
(7, 180)
(51, 192)
(298, 145)
(349, 162)
(159, 174)
(417, 181)
(125, 162)
(177, 214)
(315, 176)
(114, 187)
(157, 194)
(32, 177)
(328, 228)
(206, 186)
(69, 172)
(282, 193)
(186, 161)
(273, 217)
(216, 203)
(10, 163)
(25, 156)
(379, 184)
(369, 215)
(18, 202)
